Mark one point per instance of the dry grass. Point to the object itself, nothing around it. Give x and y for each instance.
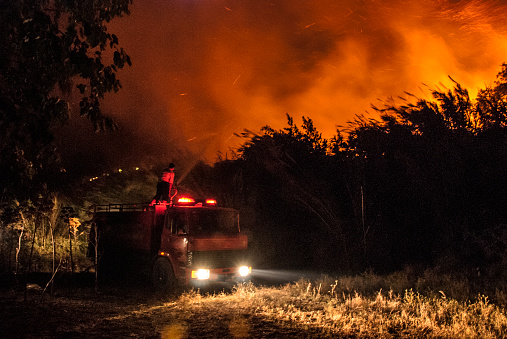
(365, 306)
(331, 308)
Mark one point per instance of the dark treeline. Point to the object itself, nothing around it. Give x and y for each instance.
(423, 185)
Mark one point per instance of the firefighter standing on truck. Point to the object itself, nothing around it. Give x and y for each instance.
(165, 186)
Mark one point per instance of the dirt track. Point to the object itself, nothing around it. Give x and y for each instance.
(128, 312)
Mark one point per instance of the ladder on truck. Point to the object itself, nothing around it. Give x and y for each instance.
(123, 207)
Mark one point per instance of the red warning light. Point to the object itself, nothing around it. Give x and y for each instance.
(211, 202)
(186, 200)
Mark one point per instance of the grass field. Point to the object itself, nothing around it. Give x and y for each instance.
(350, 307)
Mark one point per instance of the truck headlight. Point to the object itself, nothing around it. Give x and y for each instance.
(200, 274)
(245, 270)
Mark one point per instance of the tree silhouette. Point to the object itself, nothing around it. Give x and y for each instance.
(430, 171)
(492, 102)
(45, 46)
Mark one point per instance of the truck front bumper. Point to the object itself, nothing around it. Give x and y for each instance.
(229, 274)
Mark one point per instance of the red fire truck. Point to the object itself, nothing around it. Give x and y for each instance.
(180, 244)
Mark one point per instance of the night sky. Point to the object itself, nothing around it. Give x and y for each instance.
(204, 70)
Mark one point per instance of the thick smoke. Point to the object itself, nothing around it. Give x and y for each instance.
(204, 70)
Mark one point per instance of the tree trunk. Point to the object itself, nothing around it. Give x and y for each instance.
(31, 248)
(70, 252)
(54, 260)
(53, 219)
(96, 257)
(18, 249)
(20, 239)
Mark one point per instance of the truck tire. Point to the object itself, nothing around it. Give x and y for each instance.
(162, 276)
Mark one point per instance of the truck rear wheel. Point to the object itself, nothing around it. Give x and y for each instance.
(162, 276)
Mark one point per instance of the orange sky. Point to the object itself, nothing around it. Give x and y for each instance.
(206, 69)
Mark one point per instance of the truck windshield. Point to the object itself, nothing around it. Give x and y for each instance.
(213, 222)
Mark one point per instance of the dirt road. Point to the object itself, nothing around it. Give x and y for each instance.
(129, 312)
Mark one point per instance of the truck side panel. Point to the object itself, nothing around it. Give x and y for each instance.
(131, 230)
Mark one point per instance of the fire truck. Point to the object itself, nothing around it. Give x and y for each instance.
(185, 243)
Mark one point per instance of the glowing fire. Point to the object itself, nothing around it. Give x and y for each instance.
(204, 70)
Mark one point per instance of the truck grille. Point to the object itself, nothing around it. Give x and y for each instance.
(217, 259)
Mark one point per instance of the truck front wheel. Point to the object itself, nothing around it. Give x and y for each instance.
(162, 275)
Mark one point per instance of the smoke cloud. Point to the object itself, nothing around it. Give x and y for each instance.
(206, 69)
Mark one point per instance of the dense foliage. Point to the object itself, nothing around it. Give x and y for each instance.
(46, 49)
